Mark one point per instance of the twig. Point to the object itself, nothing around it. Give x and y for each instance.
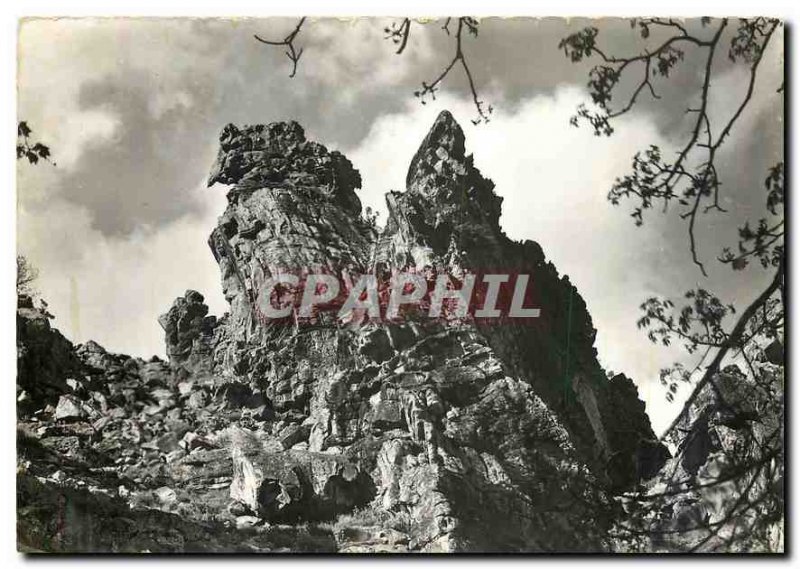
(471, 25)
(293, 54)
(399, 34)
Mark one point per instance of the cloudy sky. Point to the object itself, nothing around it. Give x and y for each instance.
(131, 110)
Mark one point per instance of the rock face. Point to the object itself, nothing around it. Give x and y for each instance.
(189, 334)
(45, 358)
(293, 206)
(724, 488)
(279, 155)
(386, 436)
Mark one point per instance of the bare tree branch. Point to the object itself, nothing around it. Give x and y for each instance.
(429, 88)
(292, 53)
(701, 189)
(398, 33)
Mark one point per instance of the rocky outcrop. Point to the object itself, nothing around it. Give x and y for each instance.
(45, 358)
(293, 207)
(409, 435)
(278, 155)
(190, 334)
(428, 395)
(449, 217)
(723, 491)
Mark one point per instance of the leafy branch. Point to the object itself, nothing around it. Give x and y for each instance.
(655, 178)
(26, 148)
(398, 34)
(765, 242)
(748, 466)
(736, 338)
(700, 323)
(430, 88)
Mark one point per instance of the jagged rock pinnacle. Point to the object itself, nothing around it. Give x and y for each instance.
(445, 140)
(278, 154)
(446, 181)
(184, 323)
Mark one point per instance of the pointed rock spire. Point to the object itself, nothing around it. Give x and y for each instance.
(443, 174)
(445, 140)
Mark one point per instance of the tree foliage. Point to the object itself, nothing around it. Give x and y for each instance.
(690, 179)
(724, 491)
(27, 148)
(31, 151)
(26, 275)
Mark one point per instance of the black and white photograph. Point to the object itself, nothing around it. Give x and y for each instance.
(400, 285)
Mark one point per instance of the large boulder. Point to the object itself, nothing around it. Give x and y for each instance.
(69, 408)
(186, 325)
(45, 359)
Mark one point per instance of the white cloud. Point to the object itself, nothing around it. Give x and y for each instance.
(80, 129)
(59, 56)
(356, 48)
(113, 291)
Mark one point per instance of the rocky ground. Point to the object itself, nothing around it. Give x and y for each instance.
(369, 437)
